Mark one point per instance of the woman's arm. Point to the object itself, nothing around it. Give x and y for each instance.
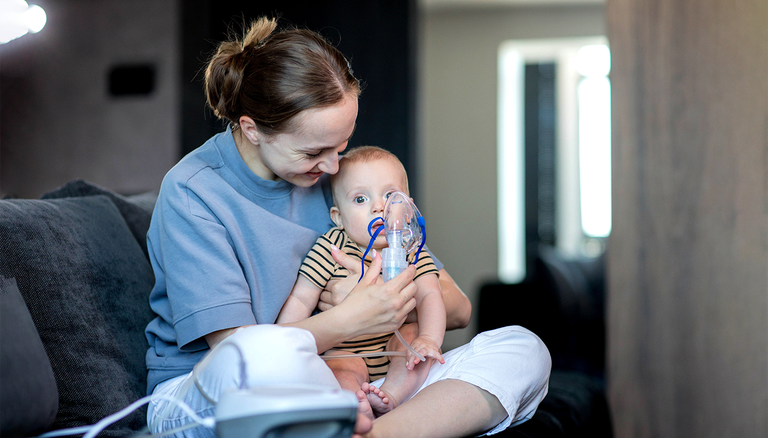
(458, 308)
(371, 307)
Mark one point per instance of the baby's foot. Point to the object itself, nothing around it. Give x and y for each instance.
(381, 402)
(364, 406)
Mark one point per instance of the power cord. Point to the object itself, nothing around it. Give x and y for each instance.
(92, 430)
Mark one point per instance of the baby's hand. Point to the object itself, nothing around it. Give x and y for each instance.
(426, 347)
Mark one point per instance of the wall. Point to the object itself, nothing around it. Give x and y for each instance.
(57, 119)
(688, 256)
(458, 112)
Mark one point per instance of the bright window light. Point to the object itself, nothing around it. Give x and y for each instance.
(17, 19)
(511, 168)
(595, 155)
(593, 60)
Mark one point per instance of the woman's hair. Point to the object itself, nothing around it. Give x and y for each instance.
(273, 75)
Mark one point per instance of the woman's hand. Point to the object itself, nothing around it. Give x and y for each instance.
(336, 290)
(371, 307)
(380, 307)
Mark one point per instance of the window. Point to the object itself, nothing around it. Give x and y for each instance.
(569, 153)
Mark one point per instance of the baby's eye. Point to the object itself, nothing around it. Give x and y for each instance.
(360, 200)
(388, 195)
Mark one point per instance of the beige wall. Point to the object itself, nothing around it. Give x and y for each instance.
(457, 160)
(58, 120)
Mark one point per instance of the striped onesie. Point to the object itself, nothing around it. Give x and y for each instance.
(320, 268)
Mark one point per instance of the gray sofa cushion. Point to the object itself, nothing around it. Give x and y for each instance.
(136, 209)
(28, 393)
(86, 283)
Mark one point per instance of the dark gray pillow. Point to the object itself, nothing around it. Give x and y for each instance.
(28, 393)
(136, 209)
(86, 283)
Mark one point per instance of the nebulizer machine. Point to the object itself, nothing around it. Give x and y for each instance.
(298, 411)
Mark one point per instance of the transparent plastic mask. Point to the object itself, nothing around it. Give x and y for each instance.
(402, 223)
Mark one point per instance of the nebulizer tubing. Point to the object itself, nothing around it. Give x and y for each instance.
(390, 240)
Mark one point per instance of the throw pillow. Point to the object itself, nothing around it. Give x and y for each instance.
(28, 391)
(86, 283)
(136, 209)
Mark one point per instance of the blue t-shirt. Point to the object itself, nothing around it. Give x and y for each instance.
(225, 246)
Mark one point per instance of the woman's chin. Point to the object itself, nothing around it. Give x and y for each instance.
(306, 179)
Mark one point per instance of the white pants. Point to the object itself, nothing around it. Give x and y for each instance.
(511, 363)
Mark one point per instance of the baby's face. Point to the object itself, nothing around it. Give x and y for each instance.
(361, 193)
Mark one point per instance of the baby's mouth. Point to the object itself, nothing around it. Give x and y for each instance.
(375, 226)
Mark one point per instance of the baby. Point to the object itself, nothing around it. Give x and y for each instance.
(367, 176)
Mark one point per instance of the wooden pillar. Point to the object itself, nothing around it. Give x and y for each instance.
(688, 255)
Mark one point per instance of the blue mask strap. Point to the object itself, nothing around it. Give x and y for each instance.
(423, 238)
(373, 235)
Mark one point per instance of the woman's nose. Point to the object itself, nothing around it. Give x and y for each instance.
(330, 164)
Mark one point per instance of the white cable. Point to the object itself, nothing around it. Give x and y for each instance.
(193, 380)
(380, 353)
(372, 354)
(169, 432)
(408, 346)
(66, 432)
(103, 423)
(92, 430)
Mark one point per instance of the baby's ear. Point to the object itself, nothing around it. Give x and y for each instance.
(336, 217)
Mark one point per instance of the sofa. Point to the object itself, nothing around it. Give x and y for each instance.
(74, 284)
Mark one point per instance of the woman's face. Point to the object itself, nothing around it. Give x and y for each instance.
(303, 155)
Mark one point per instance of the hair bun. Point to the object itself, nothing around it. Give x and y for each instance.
(258, 33)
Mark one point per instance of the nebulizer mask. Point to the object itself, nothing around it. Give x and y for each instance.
(403, 226)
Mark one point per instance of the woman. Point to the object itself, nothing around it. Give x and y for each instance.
(232, 223)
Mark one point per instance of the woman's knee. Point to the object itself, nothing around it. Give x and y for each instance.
(518, 341)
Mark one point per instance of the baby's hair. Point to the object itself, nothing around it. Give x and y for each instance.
(272, 75)
(365, 154)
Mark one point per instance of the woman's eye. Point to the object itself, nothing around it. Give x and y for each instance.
(360, 200)
(313, 155)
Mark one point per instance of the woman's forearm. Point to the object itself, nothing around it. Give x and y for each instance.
(328, 328)
(458, 308)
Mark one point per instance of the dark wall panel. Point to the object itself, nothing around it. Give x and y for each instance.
(377, 36)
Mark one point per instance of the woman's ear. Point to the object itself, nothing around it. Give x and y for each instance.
(336, 217)
(249, 129)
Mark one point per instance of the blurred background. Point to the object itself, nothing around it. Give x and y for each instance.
(111, 92)
(501, 112)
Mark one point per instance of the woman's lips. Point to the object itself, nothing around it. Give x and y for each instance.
(314, 174)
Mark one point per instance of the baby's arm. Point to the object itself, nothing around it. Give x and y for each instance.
(301, 302)
(431, 313)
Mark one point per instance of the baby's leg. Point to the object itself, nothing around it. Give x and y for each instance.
(400, 383)
(351, 372)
